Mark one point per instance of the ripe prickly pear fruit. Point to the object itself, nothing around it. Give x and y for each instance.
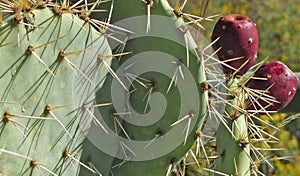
(279, 82)
(238, 43)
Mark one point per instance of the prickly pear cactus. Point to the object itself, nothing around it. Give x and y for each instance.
(48, 59)
(71, 107)
(266, 91)
(236, 40)
(157, 101)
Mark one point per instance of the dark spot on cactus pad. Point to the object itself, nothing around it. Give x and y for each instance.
(6, 116)
(242, 143)
(61, 55)
(159, 132)
(280, 82)
(234, 116)
(30, 49)
(148, 2)
(33, 163)
(17, 18)
(198, 135)
(65, 153)
(222, 154)
(177, 13)
(204, 86)
(153, 84)
(47, 110)
(88, 158)
(192, 114)
(237, 38)
(172, 160)
(112, 115)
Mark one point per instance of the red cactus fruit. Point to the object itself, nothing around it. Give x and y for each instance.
(280, 82)
(238, 42)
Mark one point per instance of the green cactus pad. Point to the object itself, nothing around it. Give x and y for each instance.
(155, 51)
(47, 61)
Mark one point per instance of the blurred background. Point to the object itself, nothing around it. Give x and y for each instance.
(278, 24)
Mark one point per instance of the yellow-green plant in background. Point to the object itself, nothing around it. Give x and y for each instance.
(286, 159)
